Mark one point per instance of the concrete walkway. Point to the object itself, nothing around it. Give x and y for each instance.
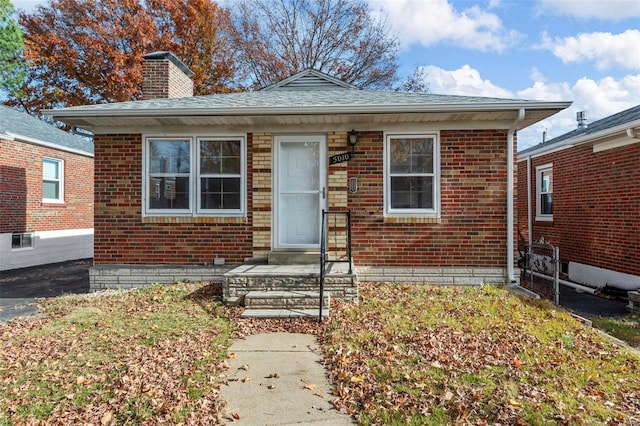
(277, 379)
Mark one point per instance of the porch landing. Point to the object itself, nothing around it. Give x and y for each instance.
(283, 286)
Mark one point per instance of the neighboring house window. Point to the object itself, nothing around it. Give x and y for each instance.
(544, 192)
(52, 180)
(20, 241)
(411, 175)
(195, 176)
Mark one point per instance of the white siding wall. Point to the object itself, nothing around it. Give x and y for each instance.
(49, 247)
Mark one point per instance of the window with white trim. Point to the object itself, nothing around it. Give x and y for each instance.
(195, 176)
(52, 180)
(544, 192)
(412, 179)
(22, 240)
(220, 171)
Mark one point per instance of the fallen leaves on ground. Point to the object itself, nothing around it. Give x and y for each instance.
(442, 355)
(151, 356)
(405, 354)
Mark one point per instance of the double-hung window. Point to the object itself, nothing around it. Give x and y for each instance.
(169, 175)
(220, 176)
(544, 192)
(52, 180)
(193, 176)
(411, 175)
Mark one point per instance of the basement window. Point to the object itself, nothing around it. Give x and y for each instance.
(22, 240)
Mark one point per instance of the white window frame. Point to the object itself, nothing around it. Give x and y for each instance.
(429, 213)
(539, 171)
(194, 177)
(243, 178)
(60, 181)
(22, 235)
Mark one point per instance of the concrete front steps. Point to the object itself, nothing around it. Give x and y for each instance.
(285, 304)
(284, 291)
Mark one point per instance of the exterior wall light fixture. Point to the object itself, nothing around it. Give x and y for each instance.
(353, 140)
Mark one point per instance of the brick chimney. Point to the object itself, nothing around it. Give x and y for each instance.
(165, 76)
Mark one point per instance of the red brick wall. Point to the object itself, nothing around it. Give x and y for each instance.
(162, 79)
(21, 206)
(472, 230)
(596, 206)
(121, 234)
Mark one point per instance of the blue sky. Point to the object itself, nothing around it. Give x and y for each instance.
(585, 51)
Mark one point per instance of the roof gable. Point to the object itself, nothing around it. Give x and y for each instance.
(310, 79)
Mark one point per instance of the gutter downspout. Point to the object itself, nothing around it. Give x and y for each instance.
(510, 167)
(529, 204)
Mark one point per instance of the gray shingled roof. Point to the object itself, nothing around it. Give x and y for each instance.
(615, 120)
(309, 93)
(20, 124)
(292, 98)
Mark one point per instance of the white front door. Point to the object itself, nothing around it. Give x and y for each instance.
(300, 193)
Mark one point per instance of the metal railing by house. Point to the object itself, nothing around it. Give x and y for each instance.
(335, 244)
(542, 266)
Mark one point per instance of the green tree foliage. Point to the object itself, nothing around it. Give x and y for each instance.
(12, 70)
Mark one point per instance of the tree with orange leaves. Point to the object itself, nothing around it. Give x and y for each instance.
(90, 51)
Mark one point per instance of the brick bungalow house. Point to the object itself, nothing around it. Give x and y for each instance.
(46, 193)
(581, 192)
(194, 186)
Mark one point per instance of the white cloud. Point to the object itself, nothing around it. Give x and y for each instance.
(464, 81)
(28, 6)
(599, 99)
(435, 21)
(613, 10)
(606, 50)
(536, 75)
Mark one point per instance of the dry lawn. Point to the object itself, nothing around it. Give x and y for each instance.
(403, 355)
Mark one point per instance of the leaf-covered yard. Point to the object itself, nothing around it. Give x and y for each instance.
(445, 355)
(404, 355)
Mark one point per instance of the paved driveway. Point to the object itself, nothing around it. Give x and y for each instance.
(19, 288)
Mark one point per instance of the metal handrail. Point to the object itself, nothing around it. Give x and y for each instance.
(324, 259)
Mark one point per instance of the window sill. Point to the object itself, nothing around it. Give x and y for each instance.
(544, 218)
(411, 219)
(50, 201)
(195, 219)
(21, 248)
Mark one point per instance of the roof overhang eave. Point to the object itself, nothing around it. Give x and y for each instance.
(70, 113)
(590, 138)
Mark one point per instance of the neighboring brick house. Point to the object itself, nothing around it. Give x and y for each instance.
(205, 183)
(46, 193)
(581, 192)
